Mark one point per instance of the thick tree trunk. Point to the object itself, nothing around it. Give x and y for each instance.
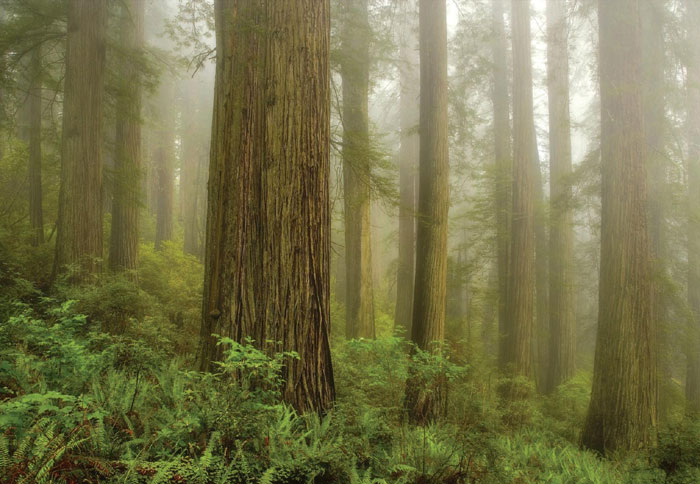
(268, 225)
(408, 164)
(124, 241)
(433, 203)
(79, 227)
(692, 383)
(562, 322)
(359, 303)
(622, 411)
(503, 167)
(164, 165)
(33, 107)
(516, 359)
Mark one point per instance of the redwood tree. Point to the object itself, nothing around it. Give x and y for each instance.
(164, 164)
(79, 226)
(503, 162)
(622, 410)
(268, 223)
(408, 164)
(516, 349)
(562, 323)
(355, 62)
(124, 239)
(433, 204)
(32, 136)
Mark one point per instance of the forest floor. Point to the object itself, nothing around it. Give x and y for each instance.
(97, 385)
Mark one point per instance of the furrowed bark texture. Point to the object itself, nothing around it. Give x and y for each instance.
(433, 203)
(79, 227)
(622, 410)
(124, 240)
(408, 165)
(359, 296)
(517, 356)
(692, 384)
(503, 166)
(562, 322)
(268, 222)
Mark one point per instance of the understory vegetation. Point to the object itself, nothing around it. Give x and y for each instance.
(92, 390)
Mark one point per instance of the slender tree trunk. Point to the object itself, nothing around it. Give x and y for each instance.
(408, 164)
(164, 165)
(433, 203)
(622, 411)
(124, 241)
(190, 171)
(541, 336)
(652, 15)
(36, 212)
(516, 359)
(268, 224)
(562, 322)
(79, 227)
(692, 384)
(359, 303)
(503, 167)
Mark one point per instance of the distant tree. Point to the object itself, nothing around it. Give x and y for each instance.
(354, 70)
(31, 134)
(164, 163)
(268, 221)
(124, 241)
(408, 166)
(430, 293)
(655, 128)
(79, 227)
(622, 411)
(193, 172)
(541, 327)
(516, 350)
(503, 160)
(562, 322)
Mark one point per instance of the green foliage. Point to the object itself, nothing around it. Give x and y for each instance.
(678, 452)
(79, 403)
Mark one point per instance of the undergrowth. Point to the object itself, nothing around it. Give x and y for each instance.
(92, 389)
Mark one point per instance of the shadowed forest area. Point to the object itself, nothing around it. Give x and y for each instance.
(350, 241)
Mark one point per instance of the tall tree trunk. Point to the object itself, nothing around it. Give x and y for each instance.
(541, 336)
(164, 165)
(503, 167)
(33, 106)
(79, 227)
(408, 164)
(268, 224)
(692, 384)
(562, 319)
(124, 241)
(359, 303)
(652, 15)
(433, 203)
(516, 359)
(191, 154)
(622, 410)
